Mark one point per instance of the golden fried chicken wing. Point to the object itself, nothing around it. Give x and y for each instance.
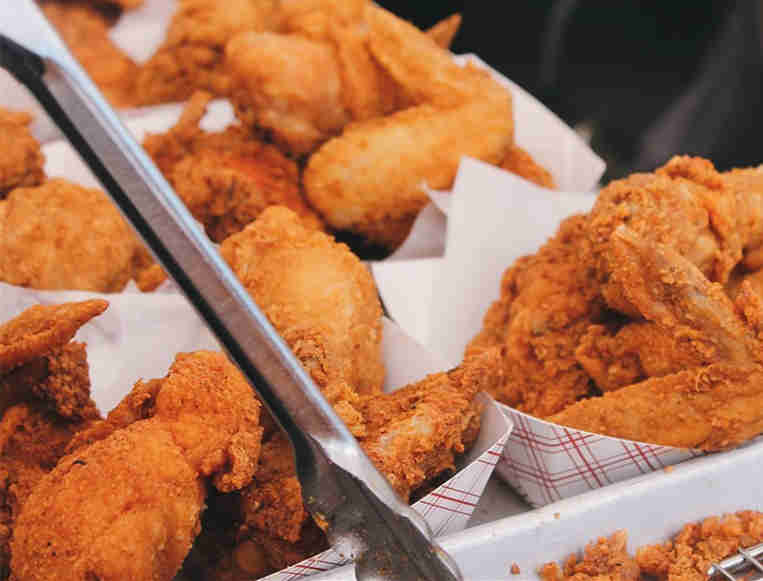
(706, 408)
(86, 31)
(127, 504)
(22, 162)
(449, 112)
(320, 298)
(62, 236)
(416, 432)
(547, 303)
(707, 233)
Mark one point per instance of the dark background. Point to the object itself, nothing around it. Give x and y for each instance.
(646, 79)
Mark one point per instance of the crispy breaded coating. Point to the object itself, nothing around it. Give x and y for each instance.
(604, 560)
(519, 162)
(44, 400)
(61, 236)
(226, 193)
(128, 505)
(449, 112)
(635, 352)
(320, 298)
(705, 408)
(22, 162)
(58, 380)
(226, 178)
(124, 508)
(547, 303)
(86, 32)
(42, 328)
(685, 205)
(416, 432)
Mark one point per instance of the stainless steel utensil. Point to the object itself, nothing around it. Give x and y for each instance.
(364, 518)
(744, 560)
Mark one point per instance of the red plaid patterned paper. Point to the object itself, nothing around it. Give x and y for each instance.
(545, 462)
(448, 507)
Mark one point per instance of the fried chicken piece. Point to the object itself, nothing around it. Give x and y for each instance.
(273, 502)
(304, 84)
(320, 298)
(710, 407)
(692, 551)
(708, 232)
(288, 85)
(44, 400)
(226, 178)
(128, 505)
(416, 432)
(78, 525)
(604, 560)
(547, 303)
(22, 163)
(191, 56)
(706, 408)
(673, 293)
(637, 351)
(226, 193)
(518, 161)
(445, 30)
(86, 32)
(747, 184)
(62, 236)
(450, 111)
(42, 328)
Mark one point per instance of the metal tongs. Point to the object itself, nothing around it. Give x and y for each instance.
(363, 517)
(744, 561)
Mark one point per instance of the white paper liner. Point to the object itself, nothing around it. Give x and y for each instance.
(651, 508)
(495, 218)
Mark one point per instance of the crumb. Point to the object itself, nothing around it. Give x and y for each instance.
(515, 570)
(557, 515)
(691, 552)
(605, 559)
(667, 469)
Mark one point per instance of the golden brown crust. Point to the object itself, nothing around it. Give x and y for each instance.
(61, 236)
(86, 31)
(22, 162)
(42, 328)
(320, 298)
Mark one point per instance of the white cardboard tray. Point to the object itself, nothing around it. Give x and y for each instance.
(651, 508)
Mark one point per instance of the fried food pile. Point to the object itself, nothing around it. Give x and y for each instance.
(641, 319)
(686, 557)
(344, 109)
(187, 473)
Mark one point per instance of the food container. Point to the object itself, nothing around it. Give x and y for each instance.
(651, 508)
(494, 218)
